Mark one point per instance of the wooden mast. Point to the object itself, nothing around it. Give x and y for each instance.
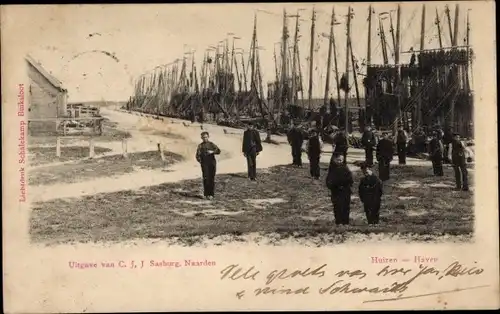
(383, 41)
(449, 24)
(354, 74)
(300, 75)
(368, 62)
(455, 28)
(455, 68)
(253, 86)
(438, 24)
(418, 114)
(335, 64)
(311, 57)
(467, 42)
(391, 30)
(276, 71)
(347, 70)
(471, 80)
(284, 48)
(329, 62)
(398, 66)
(294, 60)
(244, 71)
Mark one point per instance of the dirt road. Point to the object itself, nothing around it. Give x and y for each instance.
(180, 137)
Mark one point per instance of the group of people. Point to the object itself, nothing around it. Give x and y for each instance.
(339, 179)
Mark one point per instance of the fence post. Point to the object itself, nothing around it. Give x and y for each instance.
(160, 150)
(58, 147)
(124, 147)
(91, 148)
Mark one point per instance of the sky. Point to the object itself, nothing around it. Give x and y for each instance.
(141, 37)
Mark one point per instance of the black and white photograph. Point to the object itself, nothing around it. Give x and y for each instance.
(316, 124)
(249, 156)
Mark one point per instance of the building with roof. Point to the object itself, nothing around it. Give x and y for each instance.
(47, 98)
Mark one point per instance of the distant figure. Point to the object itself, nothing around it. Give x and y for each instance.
(369, 142)
(370, 194)
(314, 146)
(251, 147)
(457, 154)
(436, 151)
(296, 140)
(401, 141)
(385, 153)
(341, 145)
(205, 155)
(419, 140)
(339, 181)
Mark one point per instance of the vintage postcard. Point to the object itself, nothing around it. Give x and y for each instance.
(259, 156)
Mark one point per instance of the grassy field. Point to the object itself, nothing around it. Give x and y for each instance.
(284, 201)
(100, 167)
(110, 134)
(46, 155)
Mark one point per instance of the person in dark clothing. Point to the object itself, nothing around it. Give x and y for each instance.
(401, 141)
(458, 158)
(339, 181)
(314, 146)
(385, 152)
(341, 144)
(296, 139)
(436, 151)
(251, 147)
(370, 194)
(205, 155)
(369, 142)
(447, 139)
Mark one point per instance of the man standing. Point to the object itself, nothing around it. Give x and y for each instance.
(436, 154)
(370, 194)
(341, 144)
(457, 152)
(447, 139)
(296, 139)
(339, 181)
(251, 147)
(205, 155)
(369, 141)
(385, 152)
(314, 146)
(401, 141)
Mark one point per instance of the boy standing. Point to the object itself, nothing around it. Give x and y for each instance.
(205, 155)
(314, 145)
(370, 194)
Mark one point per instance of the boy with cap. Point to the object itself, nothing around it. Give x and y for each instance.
(370, 194)
(205, 155)
(314, 145)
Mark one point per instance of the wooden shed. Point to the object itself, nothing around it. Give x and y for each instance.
(47, 98)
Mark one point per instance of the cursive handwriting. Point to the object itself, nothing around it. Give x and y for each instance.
(343, 284)
(284, 274)
(232, 272)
